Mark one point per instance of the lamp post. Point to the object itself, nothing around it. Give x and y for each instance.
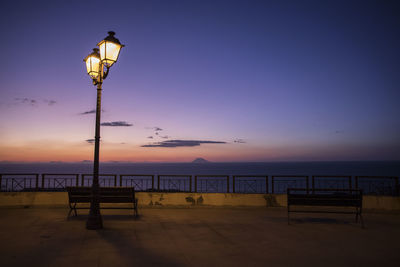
(96, 63)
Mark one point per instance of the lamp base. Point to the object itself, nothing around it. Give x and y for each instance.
(94, 221)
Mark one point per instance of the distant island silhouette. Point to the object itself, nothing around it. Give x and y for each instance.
(200, 160)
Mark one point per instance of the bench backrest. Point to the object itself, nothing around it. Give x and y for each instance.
(83, 194)
(347, 198)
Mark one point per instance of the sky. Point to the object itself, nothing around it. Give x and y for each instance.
(223, 80)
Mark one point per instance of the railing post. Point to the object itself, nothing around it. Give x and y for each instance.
(115, 180)
(356, 182)
(266, 184)
(190, 183)
(37, 181)
(83, 180)
(1, 182)
(77, 179)
(120, 179)
(195, 183)
(152, 182)
(313, 183)
(350, 182)
(272, 184)
(227, 184)
(43, 175)
(233, 183)
(158, 182)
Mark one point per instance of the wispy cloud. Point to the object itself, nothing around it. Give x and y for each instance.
(93, 111)
(182, 143)
(33, 102)
(25, 100)
(239, 141)
(49, 102)
(150, 137)
(117, 124)
(88, 112)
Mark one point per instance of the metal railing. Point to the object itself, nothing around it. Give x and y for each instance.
(211, 183)
(331, 182)
(280, 183)
(104, 179)
(141, 182)
(19, 181)
(175, 183)
(378, 185)
(245, 184)
(58, 181)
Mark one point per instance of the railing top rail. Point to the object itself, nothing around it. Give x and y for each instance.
(136, 175)
(75, 174)
(382, 176)
(331, 176)
(243, 176)
(19, 173)
(91, 174)
(210, 175)
(175, 175)
(290, 176)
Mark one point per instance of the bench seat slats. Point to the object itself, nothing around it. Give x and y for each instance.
(325, 202)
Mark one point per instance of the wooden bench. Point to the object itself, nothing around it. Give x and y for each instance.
(83, 194)
(324, 198)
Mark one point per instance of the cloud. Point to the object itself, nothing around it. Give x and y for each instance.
(33, 102)
(164, 137)
(49, 102)
(182, 143)
(93, 111)
(155, 128)
(150, 137)
(117, 123)
(88, 112)
(90, 141)
(28, 101)
(239, 141)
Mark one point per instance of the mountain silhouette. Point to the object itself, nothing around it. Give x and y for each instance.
(200, 160)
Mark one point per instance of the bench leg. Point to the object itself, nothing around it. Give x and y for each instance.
(72, 208)
(362, 221)
(135, 209)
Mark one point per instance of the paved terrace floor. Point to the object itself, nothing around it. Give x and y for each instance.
(197, 237)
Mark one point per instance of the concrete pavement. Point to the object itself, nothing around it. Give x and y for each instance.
(197, 237)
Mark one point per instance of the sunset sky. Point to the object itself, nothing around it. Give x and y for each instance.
(222, 80)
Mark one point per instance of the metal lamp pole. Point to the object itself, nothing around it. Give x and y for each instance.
(94, 220)
(95, 63)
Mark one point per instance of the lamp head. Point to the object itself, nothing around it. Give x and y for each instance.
(93, 64)
(109, 49)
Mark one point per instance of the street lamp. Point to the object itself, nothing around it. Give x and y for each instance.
(95, 64)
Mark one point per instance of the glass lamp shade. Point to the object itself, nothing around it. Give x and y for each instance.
(109, 49)
(93, 63)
